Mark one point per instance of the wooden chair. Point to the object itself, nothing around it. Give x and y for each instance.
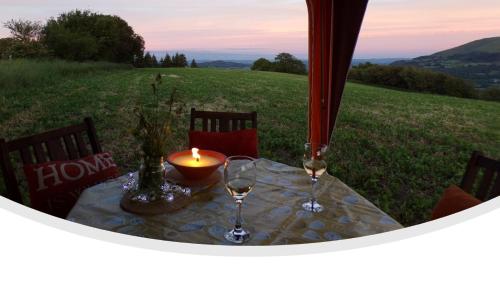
(222, 121)
(61, 144)
(489, 186)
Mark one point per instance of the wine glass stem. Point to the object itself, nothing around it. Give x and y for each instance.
(237, 225)
(314, 181)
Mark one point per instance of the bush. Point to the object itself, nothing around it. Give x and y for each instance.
(492, 94)
(284, 62)
(5, 47)
(262, 64)
(287, 63)
(33, 49)
(24, 41)
(82, 35)
(414, 79)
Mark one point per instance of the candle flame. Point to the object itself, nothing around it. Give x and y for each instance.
(196, 155)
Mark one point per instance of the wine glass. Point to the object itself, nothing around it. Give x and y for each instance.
(315, 165)
(239, 177)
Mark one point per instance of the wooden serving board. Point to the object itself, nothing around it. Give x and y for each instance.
(164, 207)
(153, 208)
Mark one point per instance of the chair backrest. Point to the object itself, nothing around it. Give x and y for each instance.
(57, 145)
(223, 121)
(489, 186)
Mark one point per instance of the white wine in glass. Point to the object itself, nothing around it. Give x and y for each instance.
(239, 177)
(239, 188)
(315, 166)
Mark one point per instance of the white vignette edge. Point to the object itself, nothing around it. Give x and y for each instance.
(248, 251)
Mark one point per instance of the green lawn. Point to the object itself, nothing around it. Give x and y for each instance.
(398, 149)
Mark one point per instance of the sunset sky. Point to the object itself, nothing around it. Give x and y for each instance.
(392, 28)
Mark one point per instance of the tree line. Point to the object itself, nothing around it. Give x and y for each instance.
(74, 36)
(283, 62)
(177, 60)
(419, 80)
(400, 77)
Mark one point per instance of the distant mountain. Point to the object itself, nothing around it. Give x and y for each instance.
(487, 45)
(224, 64)
(245, 64)
(382, 61)
(477, 61)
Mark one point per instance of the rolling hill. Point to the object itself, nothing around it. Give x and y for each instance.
(487, 45)
(246, 64)
(381, 61)
(224, 64)
(477, 61)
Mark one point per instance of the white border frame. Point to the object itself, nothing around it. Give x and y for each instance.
(249, 251)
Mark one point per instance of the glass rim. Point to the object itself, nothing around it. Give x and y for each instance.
(240, 157)
(323, 148)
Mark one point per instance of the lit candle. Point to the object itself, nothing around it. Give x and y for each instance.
(196, 155)
(195, 159)
(196, 164)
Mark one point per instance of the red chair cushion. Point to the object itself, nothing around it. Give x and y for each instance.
(242, 142)
(454, 200)
(54, 187)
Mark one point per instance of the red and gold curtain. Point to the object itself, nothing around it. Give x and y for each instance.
(334, 26)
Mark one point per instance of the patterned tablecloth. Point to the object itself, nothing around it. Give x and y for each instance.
(272, 212)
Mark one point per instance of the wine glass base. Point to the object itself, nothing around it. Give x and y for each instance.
(313, 206)
(237, 236)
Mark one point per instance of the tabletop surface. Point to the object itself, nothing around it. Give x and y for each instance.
(272, 212)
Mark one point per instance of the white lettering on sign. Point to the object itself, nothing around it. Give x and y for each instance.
(108, 159)
(95, 167)
(65, 174)
(52, 174)
(73, 171)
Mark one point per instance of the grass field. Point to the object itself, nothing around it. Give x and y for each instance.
(398, 149)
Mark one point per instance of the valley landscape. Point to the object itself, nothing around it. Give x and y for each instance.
(405, 132)
(477, 61)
